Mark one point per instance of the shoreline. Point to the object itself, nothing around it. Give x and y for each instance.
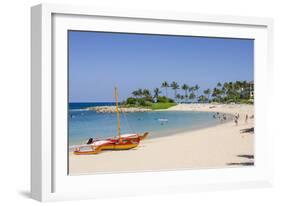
(112, 109)
(175, 132)
(209, 147)
(200, 107)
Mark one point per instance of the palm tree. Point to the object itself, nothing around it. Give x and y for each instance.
(249, 86)
(178, 96)
(191, 89)
(182, 97)
(165, 85)
(207, 92)
(146, 93)
(230, 85)
(231, 91)
(225, 89)
(186, 97)
(156, 93)
(216, 94)
(185, 87)
(202, 98)
(237, 86)
(192, 96)
(245, 90)
(196, 88)
(137, 93)
(175, 87)
(245, 85)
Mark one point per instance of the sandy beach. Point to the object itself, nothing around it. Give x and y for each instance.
(218, 146)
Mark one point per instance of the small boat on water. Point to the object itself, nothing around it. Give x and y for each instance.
(121, 142)
(163, 120)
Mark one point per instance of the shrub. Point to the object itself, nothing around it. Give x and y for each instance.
(163, 99)
(131, 100)
(246, 101)
(141, 102)
(148, 103)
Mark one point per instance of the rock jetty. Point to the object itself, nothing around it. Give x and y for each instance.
(112, 109)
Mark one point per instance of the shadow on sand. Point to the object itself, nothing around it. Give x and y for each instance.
(248, 163)
(247, 130)
(247, 156)
(241, 163)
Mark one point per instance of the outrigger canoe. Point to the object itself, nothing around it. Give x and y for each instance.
(125, 142)
(121, 142)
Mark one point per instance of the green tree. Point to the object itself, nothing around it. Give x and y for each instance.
(131, 100)
(192, 96)
(175, 87)
(146, 92)
(165, 85)
(247, 89)
(191, 89)
(196, 89)
(182, 97)
(185, 88)
(157, 92)
(207, 92)
(147, 95)
(216, 94)
(137, 93)
(178, 97)
(202, 98)
(186, 97)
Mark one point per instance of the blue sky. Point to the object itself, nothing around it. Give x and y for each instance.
(98, 61)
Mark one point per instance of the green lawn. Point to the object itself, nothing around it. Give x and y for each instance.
(153, 106)
(167, 105)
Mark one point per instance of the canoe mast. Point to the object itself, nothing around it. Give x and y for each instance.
(117, 112)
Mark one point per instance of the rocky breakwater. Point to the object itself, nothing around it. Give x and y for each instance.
(112, 109)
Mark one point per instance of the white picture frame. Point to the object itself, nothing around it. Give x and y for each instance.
(49, 179)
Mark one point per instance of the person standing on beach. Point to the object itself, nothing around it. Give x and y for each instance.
(246, 118)
(236, 117)
(236, 122)
(224, 117)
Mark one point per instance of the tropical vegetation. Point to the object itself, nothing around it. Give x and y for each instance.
(227, 92)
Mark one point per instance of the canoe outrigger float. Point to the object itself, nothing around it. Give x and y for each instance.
(121, 142)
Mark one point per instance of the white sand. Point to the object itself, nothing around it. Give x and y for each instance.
(212, 147)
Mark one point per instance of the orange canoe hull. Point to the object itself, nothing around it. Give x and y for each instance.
(110, 144)
(107, 147)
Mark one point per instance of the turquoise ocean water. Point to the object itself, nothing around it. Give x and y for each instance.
(84, 124)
